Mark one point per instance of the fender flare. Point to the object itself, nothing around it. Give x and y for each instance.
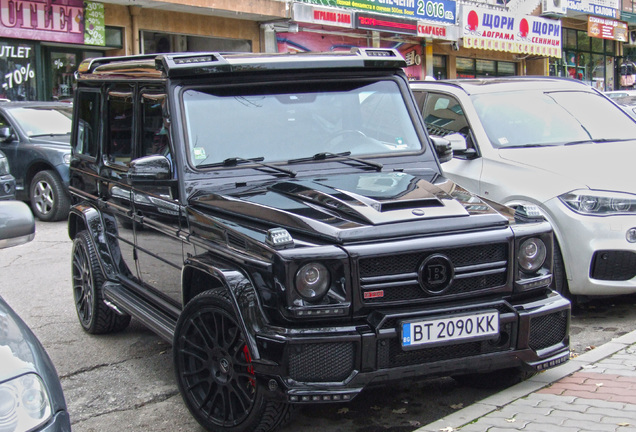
(84, 216)
(246, 302)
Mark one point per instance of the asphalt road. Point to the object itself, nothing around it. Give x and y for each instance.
(125, 381)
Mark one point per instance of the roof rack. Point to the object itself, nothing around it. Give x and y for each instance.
(203, 63)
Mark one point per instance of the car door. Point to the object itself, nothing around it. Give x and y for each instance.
(12, 149)
(159, 225)
(445, 116)
(112, 187)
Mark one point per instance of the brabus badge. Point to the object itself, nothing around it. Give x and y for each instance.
(436, 273)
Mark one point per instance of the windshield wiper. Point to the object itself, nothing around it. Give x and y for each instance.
(234, 161)
(327, 155)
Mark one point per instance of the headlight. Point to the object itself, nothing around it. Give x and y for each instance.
(67, 159)
(312, 281)
(24, 403)
(532, 254)
(4, 166)
(599, 203)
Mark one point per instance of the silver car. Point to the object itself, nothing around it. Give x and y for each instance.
(554, 143)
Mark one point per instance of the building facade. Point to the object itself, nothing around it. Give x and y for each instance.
(43, 41)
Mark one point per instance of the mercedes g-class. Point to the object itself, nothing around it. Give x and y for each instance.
(282, 220)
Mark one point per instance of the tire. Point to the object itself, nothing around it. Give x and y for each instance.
(94, 315)
(214, 372)
(49, 199)
(494, 380)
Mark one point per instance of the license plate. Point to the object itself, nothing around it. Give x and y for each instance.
(483, 325)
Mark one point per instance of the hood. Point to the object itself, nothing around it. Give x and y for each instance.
(601, 166)
(62, 142)
(358, 206)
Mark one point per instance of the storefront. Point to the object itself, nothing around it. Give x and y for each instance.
(499, 43)
(592, 41)
(409, 29)
(41, 44)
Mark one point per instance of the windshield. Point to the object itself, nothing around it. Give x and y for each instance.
(279, 123)
(517, 119)
(43, 121)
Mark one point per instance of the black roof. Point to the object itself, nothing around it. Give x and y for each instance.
(158, 66)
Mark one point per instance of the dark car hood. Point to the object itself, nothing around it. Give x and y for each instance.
(358, 206)
(61, 141)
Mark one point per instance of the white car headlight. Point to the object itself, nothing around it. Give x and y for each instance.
(67, 159)
(24, 403)
(4, 166)
(599, 203)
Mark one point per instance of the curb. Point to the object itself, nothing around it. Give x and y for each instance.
(455, 421)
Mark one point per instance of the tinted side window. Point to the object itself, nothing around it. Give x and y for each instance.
(119, 143)
(444, 115)
(155, 137)
(88, 113)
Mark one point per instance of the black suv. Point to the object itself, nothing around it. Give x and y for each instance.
(282, 221)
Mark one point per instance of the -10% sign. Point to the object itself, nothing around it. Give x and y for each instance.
(18, 76)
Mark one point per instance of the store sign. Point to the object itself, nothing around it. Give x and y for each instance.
(94, 27)
(604, 28)
(590, 8)
(332, 17)
(46, 20)
(385, 23)
(436, 10)
(437, 31)
(18, 79)
(501, 31)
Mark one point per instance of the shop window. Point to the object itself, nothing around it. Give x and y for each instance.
(89, 114)
(154, 42)
(465, 67)
(486, 68)
(440, 70)
(506, 68)
(569, 38)
(120, 127)
(63, 67)
(114, 37)
(18, 73)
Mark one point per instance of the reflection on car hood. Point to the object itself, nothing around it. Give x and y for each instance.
(601, 166)
(359, 206)
(53, 141)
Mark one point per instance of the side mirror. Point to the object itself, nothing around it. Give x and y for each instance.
(442, 148)
(460, 147)
(17, 225)
(149, 169)
(5, 133)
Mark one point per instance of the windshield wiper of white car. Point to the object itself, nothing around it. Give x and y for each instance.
(327, 155)
(526, 146)
(234, 161)
(599, 140)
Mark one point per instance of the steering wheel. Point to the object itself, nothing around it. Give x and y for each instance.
(340, 137)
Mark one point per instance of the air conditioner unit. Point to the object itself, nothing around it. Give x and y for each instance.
(631, 38)
(554, 7)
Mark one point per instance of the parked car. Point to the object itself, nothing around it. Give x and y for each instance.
(619, 94)
(557, 144)
(282, 220)
(31, 397)
(35, 138)
(7, 181)
(628, 104)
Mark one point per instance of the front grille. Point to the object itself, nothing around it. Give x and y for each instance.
(320, 362)
(476, 268)
(548, 330)
(390, 352)
(613, 265)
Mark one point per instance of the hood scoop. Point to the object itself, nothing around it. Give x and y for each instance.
(411, 204)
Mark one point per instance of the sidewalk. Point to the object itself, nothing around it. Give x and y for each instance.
(594, 392)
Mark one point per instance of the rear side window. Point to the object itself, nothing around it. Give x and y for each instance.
(88, 113)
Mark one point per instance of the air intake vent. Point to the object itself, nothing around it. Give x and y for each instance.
(236, 242)
(411, 204)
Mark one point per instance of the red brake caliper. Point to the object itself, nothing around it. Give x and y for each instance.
(250, 368)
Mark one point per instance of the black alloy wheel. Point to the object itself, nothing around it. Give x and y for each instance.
(214, 371)
(94, 315)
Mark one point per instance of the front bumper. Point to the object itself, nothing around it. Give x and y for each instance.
(336, 363)
(598, 259)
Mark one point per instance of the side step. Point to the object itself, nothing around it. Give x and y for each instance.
(152, 318)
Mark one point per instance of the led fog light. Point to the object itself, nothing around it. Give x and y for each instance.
(631, 235)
